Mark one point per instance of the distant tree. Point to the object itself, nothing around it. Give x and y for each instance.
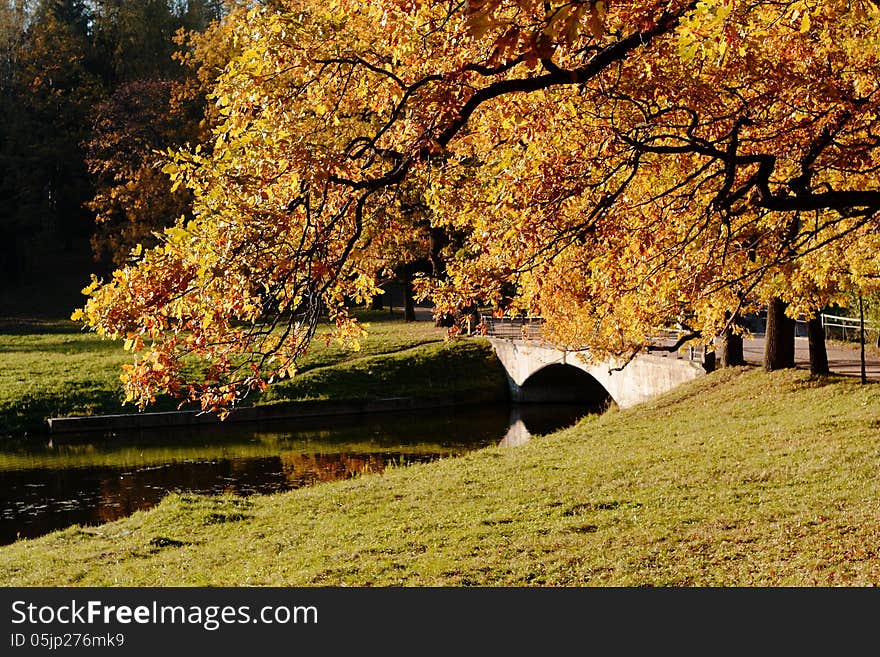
(134, 198)
(134, 39)
(163, 106)
(15, 189)
(58, 92)
(66, 69)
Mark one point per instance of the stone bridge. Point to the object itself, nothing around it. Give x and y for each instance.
(538, 372)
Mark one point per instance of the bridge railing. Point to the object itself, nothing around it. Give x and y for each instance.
(512, 328)
(664, 338)
(848, 328)
(529, 328)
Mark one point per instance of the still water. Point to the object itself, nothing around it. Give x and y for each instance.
(91, 481)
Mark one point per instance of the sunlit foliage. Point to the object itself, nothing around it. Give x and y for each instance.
(612, 166)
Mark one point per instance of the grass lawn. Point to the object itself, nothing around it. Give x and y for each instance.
(739, 478)
(52, 369)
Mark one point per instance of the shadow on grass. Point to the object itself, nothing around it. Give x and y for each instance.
(36, 326)
(817, 381)
(63, 347)
(29, 416)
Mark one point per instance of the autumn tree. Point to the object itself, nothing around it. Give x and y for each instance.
(613, 168)
(683, 196)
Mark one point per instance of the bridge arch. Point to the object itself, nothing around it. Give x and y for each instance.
(563, 383)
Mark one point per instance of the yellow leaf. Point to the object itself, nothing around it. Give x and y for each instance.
(805, 23)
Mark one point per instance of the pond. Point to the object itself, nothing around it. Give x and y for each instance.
(90, 481)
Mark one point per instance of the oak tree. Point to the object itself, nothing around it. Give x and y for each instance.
(614, 167)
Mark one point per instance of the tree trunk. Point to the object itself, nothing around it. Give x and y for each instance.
(710, 361)
(471, 316)
(10, 261)
(730, 349)
(409, 306)
(816, 338)
(438, 240)
(779, 337)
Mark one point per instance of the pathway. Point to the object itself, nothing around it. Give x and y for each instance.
(841, 359)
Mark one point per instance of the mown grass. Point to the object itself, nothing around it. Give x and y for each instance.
(51, 368)
(740, 478)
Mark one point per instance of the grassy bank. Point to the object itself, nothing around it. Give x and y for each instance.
(437, 369)
(53, 369)
(739, 478)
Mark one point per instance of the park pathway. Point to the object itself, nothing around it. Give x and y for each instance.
(842, 359)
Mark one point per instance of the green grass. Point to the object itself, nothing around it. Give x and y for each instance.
(50, 368)
(437, 369)
(740, 478)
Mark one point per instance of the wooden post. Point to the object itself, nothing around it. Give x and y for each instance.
(862, 337)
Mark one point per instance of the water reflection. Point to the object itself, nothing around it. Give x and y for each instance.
(87, 482)
(526, 420)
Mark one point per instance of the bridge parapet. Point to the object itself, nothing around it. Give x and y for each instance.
(663, 341)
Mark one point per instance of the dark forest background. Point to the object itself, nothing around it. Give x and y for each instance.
(91, 92)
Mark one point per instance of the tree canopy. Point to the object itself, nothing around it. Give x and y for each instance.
(612, 166)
